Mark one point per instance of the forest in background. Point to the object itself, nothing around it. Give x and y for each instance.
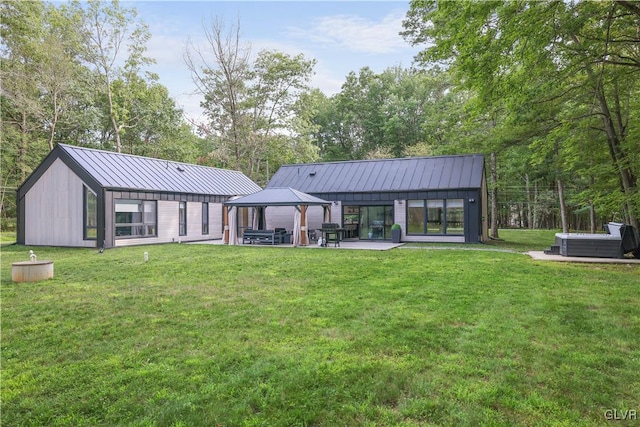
(546, 90)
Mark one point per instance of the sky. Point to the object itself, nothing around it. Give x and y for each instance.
(342, 36)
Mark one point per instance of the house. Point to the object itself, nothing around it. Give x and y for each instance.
(81, 197)
(434, 199)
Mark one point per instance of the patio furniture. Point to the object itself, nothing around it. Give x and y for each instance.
(270, 237)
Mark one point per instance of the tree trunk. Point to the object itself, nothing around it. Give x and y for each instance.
(494, 196)
(614, 140)
(529, 202)
(592, 211)
(112, 116)
(563, 207)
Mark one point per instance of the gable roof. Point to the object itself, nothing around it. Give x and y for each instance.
(116, 171)
(277, 197)
(388, 175)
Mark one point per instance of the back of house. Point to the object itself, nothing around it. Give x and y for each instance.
(434, 199)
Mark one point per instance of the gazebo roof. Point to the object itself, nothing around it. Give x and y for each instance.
(277, 196)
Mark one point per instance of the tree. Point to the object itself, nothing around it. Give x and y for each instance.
(250, 105)
(22, 28)
(110, 31)
(544, 58)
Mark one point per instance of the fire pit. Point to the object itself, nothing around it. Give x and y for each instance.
(31, 271)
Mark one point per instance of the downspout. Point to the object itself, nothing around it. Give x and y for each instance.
(101, 220)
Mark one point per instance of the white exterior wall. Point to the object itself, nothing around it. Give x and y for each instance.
(336, 212)
(54, 209)
(194, 221)
(280, 217)
(400, 217)
(315, 217)
(215, 221)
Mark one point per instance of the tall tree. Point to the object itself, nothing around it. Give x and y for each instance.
(530, 55)
(250, 104)
(116, 45)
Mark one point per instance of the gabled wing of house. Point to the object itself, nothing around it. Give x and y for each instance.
(85, 197)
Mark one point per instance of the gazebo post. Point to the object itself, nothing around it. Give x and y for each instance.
(225, 221)
(303, 225)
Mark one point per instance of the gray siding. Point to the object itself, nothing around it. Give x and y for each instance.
(54, 209)
(215, 220)
(282, 217)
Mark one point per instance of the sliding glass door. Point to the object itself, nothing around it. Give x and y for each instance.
(375, 222)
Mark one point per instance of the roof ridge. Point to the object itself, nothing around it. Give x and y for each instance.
(383, 160)
(115, 153)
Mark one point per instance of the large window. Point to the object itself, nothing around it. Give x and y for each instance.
(435, 217)
(90, 214)
(205, 218)
(415, 217)
(182, 219)
(135, 218)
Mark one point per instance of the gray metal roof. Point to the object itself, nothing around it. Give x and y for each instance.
(128, 172)
(388, 175)
(278, 197)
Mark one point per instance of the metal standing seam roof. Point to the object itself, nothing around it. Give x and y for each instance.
(277, 197)
(128, 172)
(386, 175)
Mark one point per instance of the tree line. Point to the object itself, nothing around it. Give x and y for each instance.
(548, 91)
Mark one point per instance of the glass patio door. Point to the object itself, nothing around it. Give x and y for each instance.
(375, 222)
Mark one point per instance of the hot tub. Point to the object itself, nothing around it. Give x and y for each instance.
(589, 245)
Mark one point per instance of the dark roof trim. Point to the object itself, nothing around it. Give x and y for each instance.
(55, 154)
(384, 160)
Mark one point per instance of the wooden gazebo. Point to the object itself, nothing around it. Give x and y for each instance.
(275, 197)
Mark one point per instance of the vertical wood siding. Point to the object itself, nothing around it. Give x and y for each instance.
(215, 220)
(194, 221)
(336, 213)
(54, 209)
(280, 217)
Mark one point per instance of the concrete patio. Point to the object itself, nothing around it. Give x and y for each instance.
(541, 256)
(345, 244)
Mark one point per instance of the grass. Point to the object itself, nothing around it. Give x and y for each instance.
(212, 335)
(7, 237)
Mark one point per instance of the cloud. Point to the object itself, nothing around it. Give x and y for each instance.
(356, 34)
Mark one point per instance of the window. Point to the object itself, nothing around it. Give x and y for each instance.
(415, 217)
(205, 218)
(455, 216)
(435, 216)
(182, 219)
(90, 214)
(135, 218)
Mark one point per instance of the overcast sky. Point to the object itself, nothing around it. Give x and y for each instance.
(342, 36)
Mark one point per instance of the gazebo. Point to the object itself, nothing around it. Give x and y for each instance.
(275, 196)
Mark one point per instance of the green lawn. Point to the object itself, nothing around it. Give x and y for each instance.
(213, 335)
(7, 237)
